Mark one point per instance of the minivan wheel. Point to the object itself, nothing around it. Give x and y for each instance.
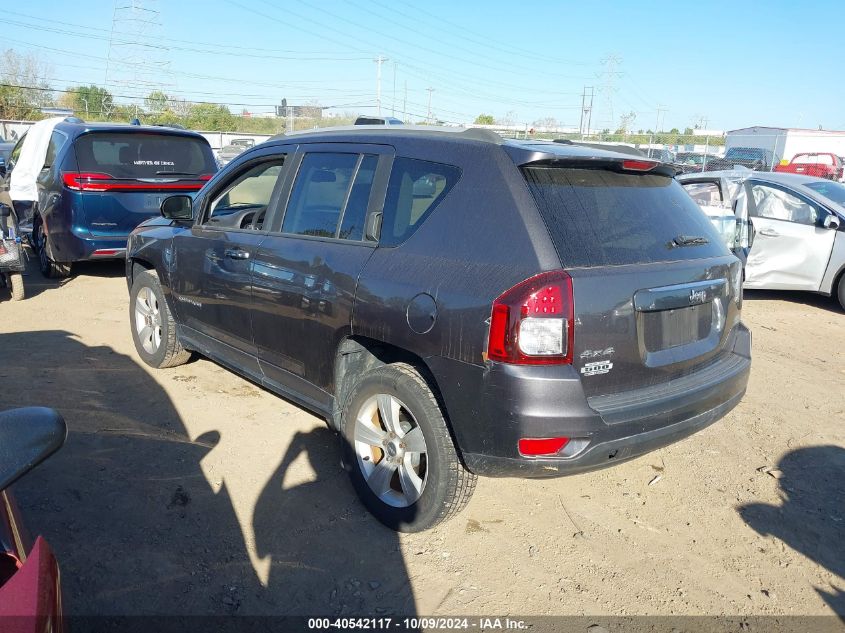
(399, 453)
(48, 267)
(153, 327)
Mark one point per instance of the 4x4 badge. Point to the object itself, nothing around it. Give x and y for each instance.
(596, 368)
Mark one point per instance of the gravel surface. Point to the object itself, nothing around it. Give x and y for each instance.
(193, 491)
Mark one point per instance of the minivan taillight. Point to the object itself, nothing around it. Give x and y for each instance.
(532, 323)
(83, 181)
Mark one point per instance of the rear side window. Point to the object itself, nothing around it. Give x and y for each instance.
(415, 189)
(597, 217)
(319, 194)
(141, 155)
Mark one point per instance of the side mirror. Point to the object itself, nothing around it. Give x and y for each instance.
(27, 437)
(831, 222)
(178, 208)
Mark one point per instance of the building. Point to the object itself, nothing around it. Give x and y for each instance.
(785, 143)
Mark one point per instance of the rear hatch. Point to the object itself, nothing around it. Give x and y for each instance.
(655, 289)
(124, 175)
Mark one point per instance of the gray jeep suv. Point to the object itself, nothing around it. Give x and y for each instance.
(452, 303)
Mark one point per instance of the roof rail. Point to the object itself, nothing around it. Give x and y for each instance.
(472, 133)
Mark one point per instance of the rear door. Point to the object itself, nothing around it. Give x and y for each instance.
(655, 289)
(214, 260)
(124, 175)
(791, 249)
(306, 272)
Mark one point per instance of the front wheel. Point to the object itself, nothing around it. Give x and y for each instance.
(400, 455)
(840, 293)
(153, 326)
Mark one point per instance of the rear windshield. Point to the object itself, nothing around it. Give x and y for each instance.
(598, 217)
(140, 155)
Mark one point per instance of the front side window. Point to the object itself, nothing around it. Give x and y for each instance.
(776, 204)
(415, 189)
(243, 203)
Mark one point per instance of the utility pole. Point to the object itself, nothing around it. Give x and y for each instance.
(660, 109)
(393, 103)
(405, 104)
(428, 117)
(586, 111)
(379, 61)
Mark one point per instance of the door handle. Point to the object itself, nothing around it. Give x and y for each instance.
(236, 253)
(769, 232)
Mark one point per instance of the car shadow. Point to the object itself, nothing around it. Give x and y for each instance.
(138, 529)
(811, 517)
(794, 296)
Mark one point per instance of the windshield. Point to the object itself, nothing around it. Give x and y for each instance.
(143, 155)
(744, 153)
(598, 218)
(831, 190)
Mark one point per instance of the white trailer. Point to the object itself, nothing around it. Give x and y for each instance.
(785, 143)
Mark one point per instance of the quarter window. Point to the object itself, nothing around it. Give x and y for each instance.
(243, 204)
(777, 204)
(57, 140)
(415, 189)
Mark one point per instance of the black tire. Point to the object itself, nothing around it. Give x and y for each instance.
(447, 485)
(49, 268)
(168, 352)
(16, 286)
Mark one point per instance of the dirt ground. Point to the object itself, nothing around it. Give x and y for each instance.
(192, 491)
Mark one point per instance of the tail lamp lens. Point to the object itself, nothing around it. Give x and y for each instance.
(531, 324)
(538, 446)
(104, 182)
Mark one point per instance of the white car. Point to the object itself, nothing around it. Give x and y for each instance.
(799, 223)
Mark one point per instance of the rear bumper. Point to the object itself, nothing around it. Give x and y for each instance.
(525, 402)
(75, 248)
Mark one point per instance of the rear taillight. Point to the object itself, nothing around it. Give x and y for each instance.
(532, 323)
(639, 165)
(83, 181)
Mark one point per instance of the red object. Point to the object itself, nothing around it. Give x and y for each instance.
(547, 295)
(639, 165)
(31, 598)
(542, 445)
(819, 165)
(104, 182)
(107, 252)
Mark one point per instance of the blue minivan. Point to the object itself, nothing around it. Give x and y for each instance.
(101, 180)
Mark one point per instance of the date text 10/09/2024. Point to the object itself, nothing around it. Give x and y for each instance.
(420, 623)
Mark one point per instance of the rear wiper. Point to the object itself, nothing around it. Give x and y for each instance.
(175, 173)
(688, 240)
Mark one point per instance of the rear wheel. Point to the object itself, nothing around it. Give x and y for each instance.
(153, 327)
(400, 455)
(49, 268)
(840, 294)
(16, 285)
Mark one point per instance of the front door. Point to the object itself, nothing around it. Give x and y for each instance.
(306, 272)
(791, 248)
(214, 262)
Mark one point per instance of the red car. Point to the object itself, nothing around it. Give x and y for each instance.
(30, 593)
(820, 165)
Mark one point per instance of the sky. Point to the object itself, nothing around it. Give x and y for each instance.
(720, 65)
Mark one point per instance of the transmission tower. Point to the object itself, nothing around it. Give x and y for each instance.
(608, 88)
(138, 61)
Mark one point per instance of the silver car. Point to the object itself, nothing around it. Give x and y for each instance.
(799, 223)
